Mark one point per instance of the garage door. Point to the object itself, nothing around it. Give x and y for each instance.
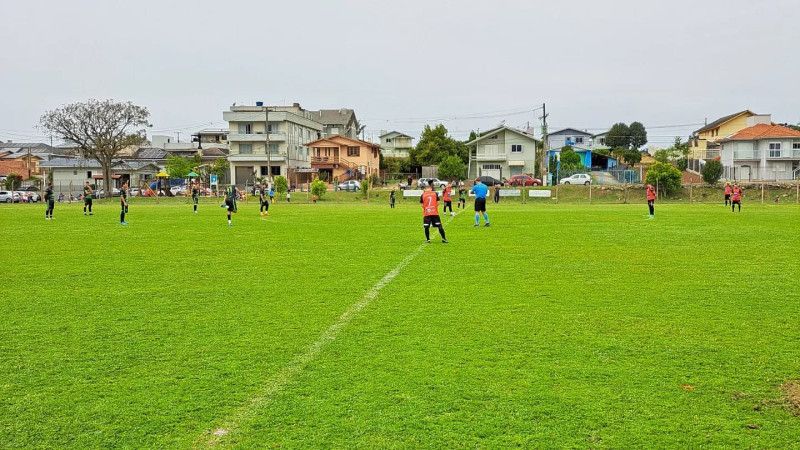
(491, 170)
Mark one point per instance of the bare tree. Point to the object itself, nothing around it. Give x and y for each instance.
(100, 129)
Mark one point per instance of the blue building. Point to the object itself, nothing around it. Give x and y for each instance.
(583, 144)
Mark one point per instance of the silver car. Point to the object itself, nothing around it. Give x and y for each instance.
(6, 197)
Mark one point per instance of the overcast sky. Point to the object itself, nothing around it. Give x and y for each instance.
(401, 63)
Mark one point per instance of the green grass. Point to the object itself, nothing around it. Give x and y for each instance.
(559, 326)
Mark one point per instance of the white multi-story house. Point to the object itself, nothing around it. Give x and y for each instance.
(501, 153)
(762, 152)
(342, 122)
(263, 149)
(395, 144)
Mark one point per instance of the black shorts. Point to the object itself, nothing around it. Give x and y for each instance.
(229, 204)
(195, 199)
(431, 220)
(727, 196)
(448, 203)
(736, 202)
(87, 200)
(480, 205)
(265, 205)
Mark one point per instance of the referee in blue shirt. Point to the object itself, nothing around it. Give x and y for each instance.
(480, 190)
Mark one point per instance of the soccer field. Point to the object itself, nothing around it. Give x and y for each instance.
(333, 325)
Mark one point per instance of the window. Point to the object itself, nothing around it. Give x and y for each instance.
(88, 174)
(516, 148)
(245, 149)
(388, 140)
(273, 148)
(353, 151)
(74, 172)
(245, 128)
(276, 170)
(579, 140)
(493, 137)
(796, 145)
(774, 149)
(602, 141)
(264, 171)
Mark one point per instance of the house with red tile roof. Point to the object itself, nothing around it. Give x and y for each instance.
(764, 151)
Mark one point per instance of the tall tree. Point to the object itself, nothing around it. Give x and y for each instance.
(638, 135)
(435, 145)
(619, 136)
(100, 129)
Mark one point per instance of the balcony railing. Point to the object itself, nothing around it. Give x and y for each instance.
(712, 154)
(324, 160)
(256, 137)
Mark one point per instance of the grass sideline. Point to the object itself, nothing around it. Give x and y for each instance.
(566, 326)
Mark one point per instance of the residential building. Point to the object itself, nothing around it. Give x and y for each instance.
(502, 152)
(395, 144)
(599, 141)
(704, 143)
(585, 145)
(8, 167)
(341, 122)
(278, 147)
(69, 174)
(212, 138)
(762, 152)
(340, 158)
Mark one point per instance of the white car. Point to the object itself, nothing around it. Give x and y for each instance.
(350, 185)
(578, 178)
(6, 197)
(437, 183)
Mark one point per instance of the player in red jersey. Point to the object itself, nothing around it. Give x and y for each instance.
(448, 200)
(651, 200)
(430, 213)
(728, 192)
(736, 197)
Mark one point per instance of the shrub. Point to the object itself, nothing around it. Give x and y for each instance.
(452, 168)
(281, 184)
(712, 172)
(665, 176)
(318, 188)
(366, 186)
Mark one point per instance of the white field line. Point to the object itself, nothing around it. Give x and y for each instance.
(278, 381)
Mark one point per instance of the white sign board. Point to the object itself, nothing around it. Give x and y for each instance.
(536, 193)
(412, 192)
(510, 192)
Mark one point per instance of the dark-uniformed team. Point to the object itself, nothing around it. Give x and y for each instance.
(429, 200)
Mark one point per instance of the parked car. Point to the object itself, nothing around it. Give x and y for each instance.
(30, 189)
(135, 192)
(33, 196)
(102, 193)
(350, 185)
(490, 181)
(178, 190)
(6, 197)
(578, 178)
(26, 197)
(524, 180)
(437, 183)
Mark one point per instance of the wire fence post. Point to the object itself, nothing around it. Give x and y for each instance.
(762, 192)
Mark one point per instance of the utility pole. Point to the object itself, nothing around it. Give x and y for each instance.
(179, 136)
(544, 168)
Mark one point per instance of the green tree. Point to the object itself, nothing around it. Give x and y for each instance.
(570, 160)
(638, 135)
(631, 156)
(318, 188)
(219, 166)
(712, 172)
(178, 166)
(281, 185)
(452, 168)
(100, 129)
(435, 145)
(665, 176)
(619, 136)
(13, 181)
